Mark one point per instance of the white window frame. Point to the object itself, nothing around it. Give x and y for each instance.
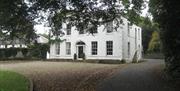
(68, 48)
(129, 49)
(109, 27)
(81, 30)
(57, 48)
(109, 47)
(129, 29)
(94, 48)
(139, 34)
(68, 29)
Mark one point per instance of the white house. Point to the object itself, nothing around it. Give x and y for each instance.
(20, 43)
(16, 43)
(105, 44)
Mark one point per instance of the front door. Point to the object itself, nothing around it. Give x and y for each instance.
(80, 51)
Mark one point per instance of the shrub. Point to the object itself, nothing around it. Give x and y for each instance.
(75, 56)
(83, 56)
(123, 61)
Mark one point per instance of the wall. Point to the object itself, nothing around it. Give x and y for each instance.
(101, 37)
(120, 40)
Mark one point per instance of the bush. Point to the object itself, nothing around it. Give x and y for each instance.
(83, 56)
(10, 52)
(37, 51)
(123, 61)
(75, 56)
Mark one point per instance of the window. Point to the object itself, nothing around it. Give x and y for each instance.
(94, 46)
(81, 30)
(68, 48)
(68, 31)
(128, 29)
(109, 27)
(135, 38)
(57, 50)
(94, 30)
(109, 47)
(128, 49)
(139, 32)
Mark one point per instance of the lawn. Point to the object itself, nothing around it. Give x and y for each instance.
(11, 81)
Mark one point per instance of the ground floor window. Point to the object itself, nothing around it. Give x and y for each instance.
(57, 48)
(109, 47)
(129, 49)
(68, 48)
(94, 46)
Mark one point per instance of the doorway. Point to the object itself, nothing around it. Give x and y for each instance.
(80, 52)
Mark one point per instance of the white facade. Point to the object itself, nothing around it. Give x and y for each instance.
(101, 45)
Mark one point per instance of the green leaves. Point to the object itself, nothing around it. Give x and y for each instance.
(166, 14)
(154, 44)
(17, 17)
(15, 20)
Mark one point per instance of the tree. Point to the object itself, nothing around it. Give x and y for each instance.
(154, 44)
(166, 13)
(82, 13)
(15, 20)
(17, 17)
(146, 25)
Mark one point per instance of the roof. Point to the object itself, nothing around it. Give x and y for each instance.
(42, 39)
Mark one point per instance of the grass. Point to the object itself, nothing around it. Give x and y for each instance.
(11, 81)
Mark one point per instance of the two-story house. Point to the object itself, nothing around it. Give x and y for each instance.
(106, 43)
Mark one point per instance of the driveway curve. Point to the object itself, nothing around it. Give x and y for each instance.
(146, 76)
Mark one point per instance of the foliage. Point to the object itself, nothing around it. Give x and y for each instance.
(11, 52)
(38, 51)
(154, 44)
(75, 56)
(11, 81)
(18, 17)
(15, 20)
(148, 27)
(166, 13)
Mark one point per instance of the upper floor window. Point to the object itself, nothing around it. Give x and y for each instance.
(94, 30)
(109, 47)
(109, 27)
(139, 33)
(81, 29)
(68, 48)
(57, 48)
(68, 30)
(94, 46)
(135, 38)
(129, 29)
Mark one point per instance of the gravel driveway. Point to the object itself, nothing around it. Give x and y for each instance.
(62, 76)
(66, 76)
(146, 76)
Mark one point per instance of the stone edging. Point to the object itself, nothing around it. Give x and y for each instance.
(31, 85)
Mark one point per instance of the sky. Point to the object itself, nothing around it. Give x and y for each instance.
(41, 29)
